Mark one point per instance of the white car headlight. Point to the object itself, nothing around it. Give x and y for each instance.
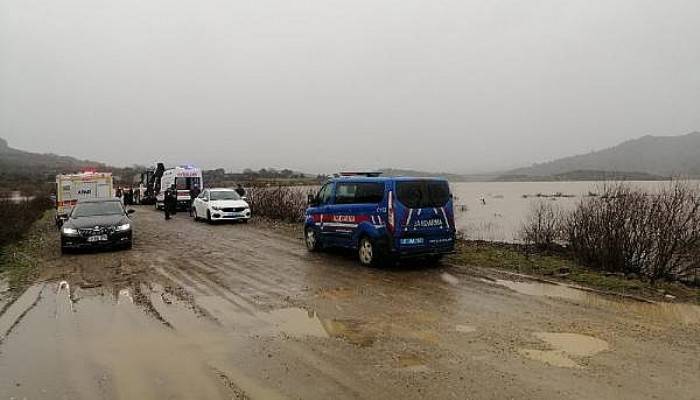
(122, 228)
(70, 231)
(216, 208)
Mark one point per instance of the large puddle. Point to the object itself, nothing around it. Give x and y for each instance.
(564, 348)
(683, 313)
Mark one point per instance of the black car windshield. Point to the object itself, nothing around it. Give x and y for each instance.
(97, 209)
(423, 194)
(224, 195)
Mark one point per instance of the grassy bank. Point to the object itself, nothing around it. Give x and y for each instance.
(18, 260)
(560, 267)
(18, 216)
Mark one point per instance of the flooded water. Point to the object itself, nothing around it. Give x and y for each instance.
(15, 197)
(495, 211)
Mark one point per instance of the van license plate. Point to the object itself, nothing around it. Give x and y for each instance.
(98, 238)
(410, 241)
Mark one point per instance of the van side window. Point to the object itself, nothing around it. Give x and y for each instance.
(359, 193)
(324, 195)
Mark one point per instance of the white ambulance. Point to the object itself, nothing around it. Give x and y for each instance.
(85, 185)
(184, 178)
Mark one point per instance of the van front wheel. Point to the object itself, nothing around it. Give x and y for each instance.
(367, 252)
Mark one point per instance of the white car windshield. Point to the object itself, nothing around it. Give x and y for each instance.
(224, 195)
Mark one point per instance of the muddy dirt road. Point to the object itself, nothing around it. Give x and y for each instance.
(244, 312)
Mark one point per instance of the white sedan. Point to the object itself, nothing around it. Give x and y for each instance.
(221, 205)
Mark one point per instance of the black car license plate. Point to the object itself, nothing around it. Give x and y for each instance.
(97, 238)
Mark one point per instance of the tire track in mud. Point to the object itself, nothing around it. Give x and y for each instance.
(11, 318)
(199, 290)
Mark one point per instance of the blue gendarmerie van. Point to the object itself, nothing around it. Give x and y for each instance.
(382, 217)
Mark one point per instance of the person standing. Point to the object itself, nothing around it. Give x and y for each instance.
(240, 190)
(194, 193)
(170, 202)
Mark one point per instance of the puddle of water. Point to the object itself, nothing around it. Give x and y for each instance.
(98, 349)
(672, 312)
(348, 330)
(449, 278)
(565, 345)
(574, 344)
(465, 329)
(295, 322)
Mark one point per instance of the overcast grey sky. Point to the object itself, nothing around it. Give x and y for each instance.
(323, 85)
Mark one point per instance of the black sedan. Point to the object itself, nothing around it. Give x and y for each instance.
(97, 224)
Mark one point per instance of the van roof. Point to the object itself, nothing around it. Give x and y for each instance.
(381, 179)
(104, 200)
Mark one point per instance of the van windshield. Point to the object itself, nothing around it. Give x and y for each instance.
(423, 194)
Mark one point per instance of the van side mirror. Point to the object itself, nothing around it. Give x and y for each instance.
(130, 211)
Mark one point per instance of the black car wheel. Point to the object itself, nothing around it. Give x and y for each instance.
(209, 216)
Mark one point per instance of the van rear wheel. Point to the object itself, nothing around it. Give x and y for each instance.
(311, 239)
(367, 252)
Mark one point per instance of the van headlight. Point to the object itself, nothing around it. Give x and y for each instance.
(122, 228)
(70, 231)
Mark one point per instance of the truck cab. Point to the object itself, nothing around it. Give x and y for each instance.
(382, 217)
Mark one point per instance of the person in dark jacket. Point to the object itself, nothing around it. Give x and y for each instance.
(240, 190)
(170, 202)
(194, 193)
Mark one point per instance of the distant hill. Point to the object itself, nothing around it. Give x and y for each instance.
(584, 175)
(652, 156)
(13, 160)
(23, 168)
(449, 176)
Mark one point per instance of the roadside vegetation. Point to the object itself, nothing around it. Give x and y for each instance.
(265, 177)
(25, 228)
(625, 231)
(18, 216)
(282, 203)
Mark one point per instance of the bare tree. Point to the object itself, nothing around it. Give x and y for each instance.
(542, 228)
